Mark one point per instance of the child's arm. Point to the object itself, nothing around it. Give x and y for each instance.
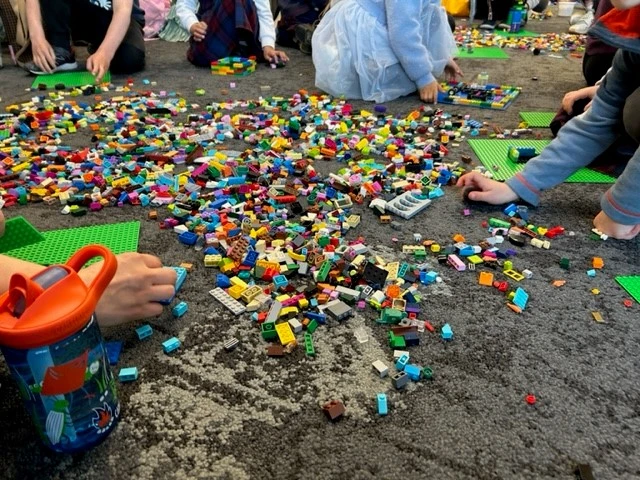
(43, 54)
(9, 266)
(186, 12)
(405, 36)
(621, 203)
(268, 33)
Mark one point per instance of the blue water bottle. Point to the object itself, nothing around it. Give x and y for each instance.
(53, 347)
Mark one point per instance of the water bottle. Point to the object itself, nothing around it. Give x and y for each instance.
(483, 78)
(50, 339)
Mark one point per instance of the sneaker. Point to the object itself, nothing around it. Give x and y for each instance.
(304, 34)
(65, 61)
(583, 24)
(488, 25)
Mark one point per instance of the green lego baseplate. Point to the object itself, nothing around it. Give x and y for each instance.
(537, 119)
(493, 153)
(631, 284)
(482, 52)
(18, 233)
(69, 79)
(59, 245)
(521, 33)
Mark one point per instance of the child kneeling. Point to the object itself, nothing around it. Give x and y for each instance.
(225, 28)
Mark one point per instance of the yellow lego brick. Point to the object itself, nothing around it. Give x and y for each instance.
(392, 268)
(282, 298)
(238, 281)
(212, 260)
(475, 259)
(514, 275)
(296, 256)
(250, 293)
(277, 243)
(353, 220)
(303, 303)
(236, 291)
(285, 334)
(435, 248)
(289, 312)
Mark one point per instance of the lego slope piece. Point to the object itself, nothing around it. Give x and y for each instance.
(59, 245)
(631, 284)
(18, 233)
(407, 205)
(482, 52)
(69, 79)
(538, 119)
(494, 153)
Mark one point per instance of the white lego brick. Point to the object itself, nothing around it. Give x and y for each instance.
(407, 205)
(228, 301)
(296, 326)
(381, 368)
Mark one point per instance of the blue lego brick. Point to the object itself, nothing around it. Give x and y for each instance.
(402, 361)
(446, 332)
(128, 374)
(251, 258)
(280, 281)
(521, 298)
(222, 281)
(188, 238)
(144, 331)
(180, 278)
(381, 400)
(170, 345)
(321, 318)
(180, 309)
(413, 371)
(510, 209)
(113, 351)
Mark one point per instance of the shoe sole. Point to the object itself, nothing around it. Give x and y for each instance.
(65, 67)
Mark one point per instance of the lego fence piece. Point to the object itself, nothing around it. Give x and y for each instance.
(59, 245)
(538, 119)
(631, 284)
(482, 52)
(69, 79)
(407, 205)
(493, 154)
(19, 233)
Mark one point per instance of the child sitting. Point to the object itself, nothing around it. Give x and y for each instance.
(586, 136)
(298, 19)
(383, 49)
(224, 28)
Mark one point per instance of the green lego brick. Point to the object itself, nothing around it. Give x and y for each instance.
(538, 119)
(68, 79)
(482, 52)
(18, 233)
(494, 153)
(59, 245)
(631, 284)
(521, 33)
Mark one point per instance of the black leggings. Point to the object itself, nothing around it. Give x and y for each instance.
(80, 20)
(500, 8)
(595, 66)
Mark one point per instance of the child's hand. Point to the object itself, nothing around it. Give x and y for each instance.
(488, 191)
(198, 30)
(429, 93)
(1, 223)
(43, 55)
(139, 284)
(571, 97)
(272, 55)
(615, 230)
(452, 71)
(98, 65)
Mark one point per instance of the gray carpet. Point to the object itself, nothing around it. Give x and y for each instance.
(206, 413)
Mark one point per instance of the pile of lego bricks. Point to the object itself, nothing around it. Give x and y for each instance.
(544, 42)
(235, 66)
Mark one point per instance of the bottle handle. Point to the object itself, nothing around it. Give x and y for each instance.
(106, 273)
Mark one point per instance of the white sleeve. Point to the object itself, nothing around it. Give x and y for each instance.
(186, 12)
(267, 24)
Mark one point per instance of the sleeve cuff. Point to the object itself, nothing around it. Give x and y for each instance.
(187, 22)
(425, 80)
(524, 189)
(268, 40)
(617, 212)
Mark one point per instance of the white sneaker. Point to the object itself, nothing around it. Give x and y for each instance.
(575, 18)
(583, 24)
(533, 3)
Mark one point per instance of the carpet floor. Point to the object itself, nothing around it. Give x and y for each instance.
(205, 413)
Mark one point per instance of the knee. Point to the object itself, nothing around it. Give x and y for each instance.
(128, 59)
(631, 115)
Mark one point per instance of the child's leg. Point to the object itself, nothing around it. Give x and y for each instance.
(631, 115)
(231, 25)
(56, 20)
(585, 137)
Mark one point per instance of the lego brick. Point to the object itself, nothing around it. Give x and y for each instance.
(400, 380)
(496, 97)
(381, 368)
(129, 374)
(285, 334)
(59, 245)
(18, 233)
(170, 345)
(113, 351)
(538, 119)
(381, 402)
(144, 331)
(333, 409)
(69, 79)
(482, 52)
(231, 344)
(631, 284)
(493, 153)
(407, 205)
(180, 309)
(181, 275)
(310, 350)
(518, 34)
(227, 301)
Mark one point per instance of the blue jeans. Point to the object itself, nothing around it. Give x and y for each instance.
(585, 137)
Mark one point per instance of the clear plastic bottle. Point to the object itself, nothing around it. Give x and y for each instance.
(483, 78)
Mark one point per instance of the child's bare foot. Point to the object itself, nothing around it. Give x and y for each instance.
(613, 229)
